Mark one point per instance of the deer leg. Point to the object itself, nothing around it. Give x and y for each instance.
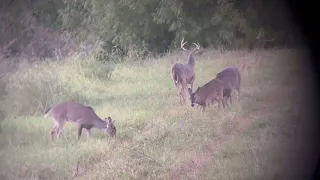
(223, 102)
(183, 90)
(175, 79)
(58, 132)
(179, 94)
(221, 98)
(201, 109)
(212, 102)
(184, 98)
(204, 107)
(80, 126)
(217, 100)
(227, 96)
(223, 110)
(237, 88)
(88, 133)
(176, 84)
(219, 103)
(226, 100)
(190, 86)
(60, 128)
(53, 132)
(238, 93)
(190, 89)
(190, 92)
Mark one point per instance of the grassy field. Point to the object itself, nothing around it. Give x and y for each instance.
(258, 137)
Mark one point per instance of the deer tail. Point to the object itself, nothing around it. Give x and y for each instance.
(47, 113)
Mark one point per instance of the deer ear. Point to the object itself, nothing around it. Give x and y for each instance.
(113, 121)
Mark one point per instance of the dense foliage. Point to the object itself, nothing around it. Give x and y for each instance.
(149, 25)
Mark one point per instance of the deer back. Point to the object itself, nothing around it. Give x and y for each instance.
(208, 91)
(182, 72)
(229, 75)
(76, 112)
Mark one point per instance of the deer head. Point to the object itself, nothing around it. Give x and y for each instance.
(195, 51)
(193, 97)
(110, 128)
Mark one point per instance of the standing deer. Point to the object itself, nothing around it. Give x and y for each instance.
(184, 74)
(83, 116)
(208, 93)
(232, 78)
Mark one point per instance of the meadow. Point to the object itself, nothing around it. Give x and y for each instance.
(257, 137)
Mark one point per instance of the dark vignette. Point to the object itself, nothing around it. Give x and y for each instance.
(305, 18)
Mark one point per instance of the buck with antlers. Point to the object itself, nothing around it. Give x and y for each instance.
(184, 74)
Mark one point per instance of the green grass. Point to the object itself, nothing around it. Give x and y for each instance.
(155, 132)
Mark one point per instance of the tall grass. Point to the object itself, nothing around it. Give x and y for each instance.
(34, 87)
(155, 132)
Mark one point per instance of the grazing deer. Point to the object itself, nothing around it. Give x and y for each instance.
(83, 116)
(232, 79)
(184, 74)
(226, 96)
(208, 93)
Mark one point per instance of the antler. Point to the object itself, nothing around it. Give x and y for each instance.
(182, 44)
(197, 46)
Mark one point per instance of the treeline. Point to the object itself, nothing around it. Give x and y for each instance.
(54, 28)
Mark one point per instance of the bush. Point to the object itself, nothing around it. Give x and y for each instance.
(34, 88)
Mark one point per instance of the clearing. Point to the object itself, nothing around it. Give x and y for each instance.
(258, 137)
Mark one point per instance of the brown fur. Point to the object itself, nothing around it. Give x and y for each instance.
(83, 116)
(232, 80)
(208, 93)
(184, 74)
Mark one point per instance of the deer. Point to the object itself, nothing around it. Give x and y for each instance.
(84, 116)
(184, 74)
(226, 97)
(232, 79)
(208, 93)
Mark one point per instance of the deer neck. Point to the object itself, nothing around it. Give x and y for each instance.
(192, 60)
(99, 124)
